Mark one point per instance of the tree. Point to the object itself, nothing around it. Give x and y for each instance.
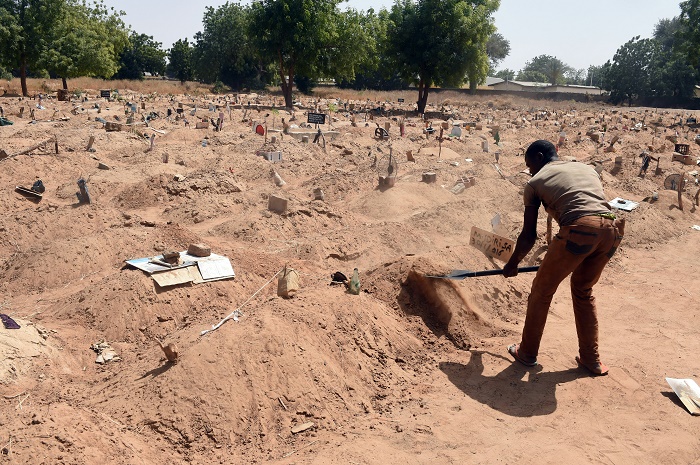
(223, 50)
(665, 32)
(594, 76)
(86, 41)
(575, 77)
(531, 76)
(497, 49)
(629, 75)
(506, 74)
(304, 37)
(688, 34)
(552, 68)
(180, 61)
(439, 42)
(374, 71)
(141, 55)
(24, 27)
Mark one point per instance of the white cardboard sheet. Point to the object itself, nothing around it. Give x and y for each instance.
(688, 392)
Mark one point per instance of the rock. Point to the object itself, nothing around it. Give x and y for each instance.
(277, 204)
(102, 166)
(302, 427)
(199, 250)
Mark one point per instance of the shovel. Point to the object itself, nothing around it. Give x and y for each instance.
(461, 274)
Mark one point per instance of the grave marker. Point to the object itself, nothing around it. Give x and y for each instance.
(316, 118)
(491, 244)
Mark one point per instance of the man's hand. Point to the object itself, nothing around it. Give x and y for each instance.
(510, 270)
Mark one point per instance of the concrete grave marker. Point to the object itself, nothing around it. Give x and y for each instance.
(277, 204)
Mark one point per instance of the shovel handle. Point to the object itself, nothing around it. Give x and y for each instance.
(525, 269)
(477, 274)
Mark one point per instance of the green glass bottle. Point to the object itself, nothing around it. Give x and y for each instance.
(354, 287)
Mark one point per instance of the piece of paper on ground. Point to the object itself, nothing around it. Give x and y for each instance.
(688, 392)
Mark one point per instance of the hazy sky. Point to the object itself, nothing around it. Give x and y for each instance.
(580, 33)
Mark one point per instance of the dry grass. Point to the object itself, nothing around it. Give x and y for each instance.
(147, 86)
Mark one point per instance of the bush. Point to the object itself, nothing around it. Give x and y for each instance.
(304, 84)
(220, 88)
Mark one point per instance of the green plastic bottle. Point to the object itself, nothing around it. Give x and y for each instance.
(354, 287)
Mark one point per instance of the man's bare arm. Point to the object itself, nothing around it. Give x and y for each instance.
(526, 240)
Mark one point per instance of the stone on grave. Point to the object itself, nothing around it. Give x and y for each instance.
(288, 283)
(102, 166)
(274, 157)
(202, 125)
(199, 250)
(305, 139)
(387, 181)
(445, 125)
(456, 131)
(90, 142)
(279, 182)
(429, 177)
(277, 204)
(458, 188)
(318, 194)
(387, 126)
(485, 146)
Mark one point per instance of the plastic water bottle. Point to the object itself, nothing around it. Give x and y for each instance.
(354, 287)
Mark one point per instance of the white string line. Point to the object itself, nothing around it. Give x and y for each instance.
(236, 313)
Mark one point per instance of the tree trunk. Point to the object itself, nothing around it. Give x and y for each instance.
(65, 83)
(422, 95)
(23, 75)
(286, 85)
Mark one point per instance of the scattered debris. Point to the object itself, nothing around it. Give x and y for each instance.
(8, 322)
(302, 427)
(622, 204)
(105, 353)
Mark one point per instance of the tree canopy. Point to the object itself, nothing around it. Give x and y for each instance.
(180, 61)
(25, 27)
(439, 42)
(303, 37)
(141, 55)
(86, 40)
(545, 68)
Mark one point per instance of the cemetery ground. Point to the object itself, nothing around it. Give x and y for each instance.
(410, 370)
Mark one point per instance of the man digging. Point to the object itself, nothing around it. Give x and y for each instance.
(588, 237)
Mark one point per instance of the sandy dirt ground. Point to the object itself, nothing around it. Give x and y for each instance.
(411, 370)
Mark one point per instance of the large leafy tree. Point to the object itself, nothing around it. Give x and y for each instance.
(86, 41)
(223, 51)
(552, 68)
(673, 73)
(304, 37)
(440, 42)
(630, 74)
(141, 55)
(180, 61)
(25, 26)
(374, 71)
(497, 49)
(688, 34)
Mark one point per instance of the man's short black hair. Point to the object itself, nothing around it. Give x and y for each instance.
(546, 148)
